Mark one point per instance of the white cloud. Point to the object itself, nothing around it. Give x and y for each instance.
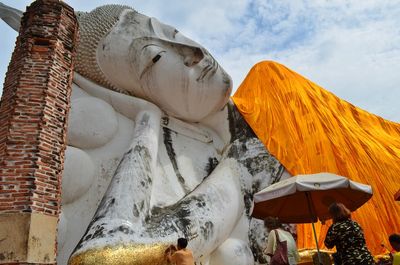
(351, 48)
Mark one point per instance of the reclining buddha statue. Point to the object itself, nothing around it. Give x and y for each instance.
(180, 160)
(158, 150)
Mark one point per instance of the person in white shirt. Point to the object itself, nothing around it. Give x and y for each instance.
(273, 224)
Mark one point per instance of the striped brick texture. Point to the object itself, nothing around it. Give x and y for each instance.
(34, 109)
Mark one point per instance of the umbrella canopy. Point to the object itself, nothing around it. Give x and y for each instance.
(292, 199)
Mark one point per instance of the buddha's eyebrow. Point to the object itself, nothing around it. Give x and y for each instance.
(151, 44)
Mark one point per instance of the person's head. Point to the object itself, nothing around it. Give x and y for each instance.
(182, 243)
(141, 56)
(339, 212)
(394, 240)
(272, 223)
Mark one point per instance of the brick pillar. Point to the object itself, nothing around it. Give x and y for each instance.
(33, 121)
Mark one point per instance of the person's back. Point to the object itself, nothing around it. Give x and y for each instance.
(182, 257)
(348, 237)
(272, 224)
(349, 240)
(293, 255)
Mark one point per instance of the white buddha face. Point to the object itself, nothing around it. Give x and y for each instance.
(155, 62)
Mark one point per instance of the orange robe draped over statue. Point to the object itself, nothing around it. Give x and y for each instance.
(310, 130)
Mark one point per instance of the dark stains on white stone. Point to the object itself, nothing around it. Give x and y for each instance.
(173, 219)
(139, 159)
(207, 230)
(141, 203)
(145, 119)
(226, 80)
(242, 250)
(257, 184)
(171, 152)
(238, 127)
(130, 18)
(105, 204)
(98, 232)
(264, 168)
(178, 219)
(200, 203)
(121, 164)
(135, 210)
(89, 236)
(258, 240)
(211, 165)
(277, 174)
(248, 201)
(123, 229)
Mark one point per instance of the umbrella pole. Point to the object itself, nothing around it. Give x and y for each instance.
(309, 202)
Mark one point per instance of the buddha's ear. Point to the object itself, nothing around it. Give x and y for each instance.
(11, 16)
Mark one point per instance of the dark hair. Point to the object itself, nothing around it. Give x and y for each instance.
(394, 238)
(272, 223)
(339, 212)
(182, 242)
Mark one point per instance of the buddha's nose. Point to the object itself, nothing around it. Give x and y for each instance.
(129, 254)
(192, 56)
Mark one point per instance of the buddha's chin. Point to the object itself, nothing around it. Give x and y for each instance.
(123, 254)
(195, 114)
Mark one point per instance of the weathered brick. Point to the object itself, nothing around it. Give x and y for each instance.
(34, 109)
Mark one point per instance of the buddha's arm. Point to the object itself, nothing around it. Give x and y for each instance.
(207, 215)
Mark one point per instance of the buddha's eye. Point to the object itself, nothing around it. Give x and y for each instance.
(156, 58)
(150, 55)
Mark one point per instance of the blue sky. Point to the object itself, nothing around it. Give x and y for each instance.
(351, 48)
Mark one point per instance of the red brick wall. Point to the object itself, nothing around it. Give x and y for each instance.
(34, 109)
